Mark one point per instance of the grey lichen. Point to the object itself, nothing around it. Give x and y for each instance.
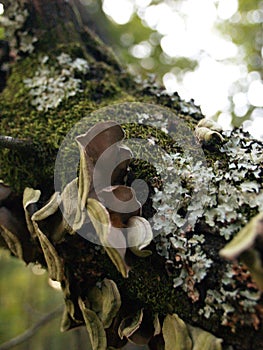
(13, 21)
(51, 85)
(194, 192)
(231, 296)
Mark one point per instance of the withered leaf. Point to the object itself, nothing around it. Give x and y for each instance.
(244, 247)
(203, 340)
(105, 301)
(244, 239)
(74, 217)
(175, 333)
(84, 175)
(54, 262)
(48, 209)
(94, 327)
(139, 235)
(206, 135)
(12, 242)
(111, 302)
(100, 219)
(130, 324)
(30, 196)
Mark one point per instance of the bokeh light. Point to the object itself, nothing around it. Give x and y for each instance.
(227, 8)
(119, 10)
(1, 8)
(220, 82)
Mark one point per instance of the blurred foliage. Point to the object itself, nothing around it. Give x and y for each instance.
(25, 297)
(124, 38)
(244, 29)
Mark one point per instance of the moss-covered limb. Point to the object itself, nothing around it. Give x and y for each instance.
(13, 143)
(151, 286)
(47, 128)
(22, 114)
(190, 279)
(185, 274)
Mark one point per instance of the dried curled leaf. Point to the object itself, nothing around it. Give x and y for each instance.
(145, 332)
(95, 299)
(111, 302)
(94, 327)
(55, 225)
(49, 209)
(54, 262)
(74, 217)
(244, 246)
(100, 219)
(30, 196)
(101, 146)
(121, 201)
(12, 242)
(100, 137)
(207, 135)
(210, 124)
(130, 325)
(139, 235)
(105, 301)
(72, 316)
(84, 175)
(156, 325)
(67, 322)
(176, 334)
(245, 239)
(203, 340)
(253, 259)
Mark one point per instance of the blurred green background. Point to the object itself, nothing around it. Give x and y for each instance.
(26, 295)
(209, 50)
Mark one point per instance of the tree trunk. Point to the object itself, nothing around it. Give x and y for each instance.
(63, 73)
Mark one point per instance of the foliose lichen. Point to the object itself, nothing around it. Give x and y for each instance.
(51, 85)
(233, 300)
(14, 19)
(194, 192)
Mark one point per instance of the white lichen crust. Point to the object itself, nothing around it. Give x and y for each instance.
(51, 85)
(195, 193)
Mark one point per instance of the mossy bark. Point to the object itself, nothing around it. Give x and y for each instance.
(58, 29)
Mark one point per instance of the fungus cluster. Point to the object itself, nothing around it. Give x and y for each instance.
(87, 206)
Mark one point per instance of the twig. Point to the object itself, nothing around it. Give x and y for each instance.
(16, 144)
(30, 332)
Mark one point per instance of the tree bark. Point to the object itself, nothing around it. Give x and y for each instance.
(225, 301)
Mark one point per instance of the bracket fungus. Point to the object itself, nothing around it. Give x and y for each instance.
(96, 201)
(93, 199)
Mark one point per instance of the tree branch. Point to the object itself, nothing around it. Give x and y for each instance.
(29, 333)
(15, 143)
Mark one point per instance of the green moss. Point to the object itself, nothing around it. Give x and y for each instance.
(100, 86)
(47, 129)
